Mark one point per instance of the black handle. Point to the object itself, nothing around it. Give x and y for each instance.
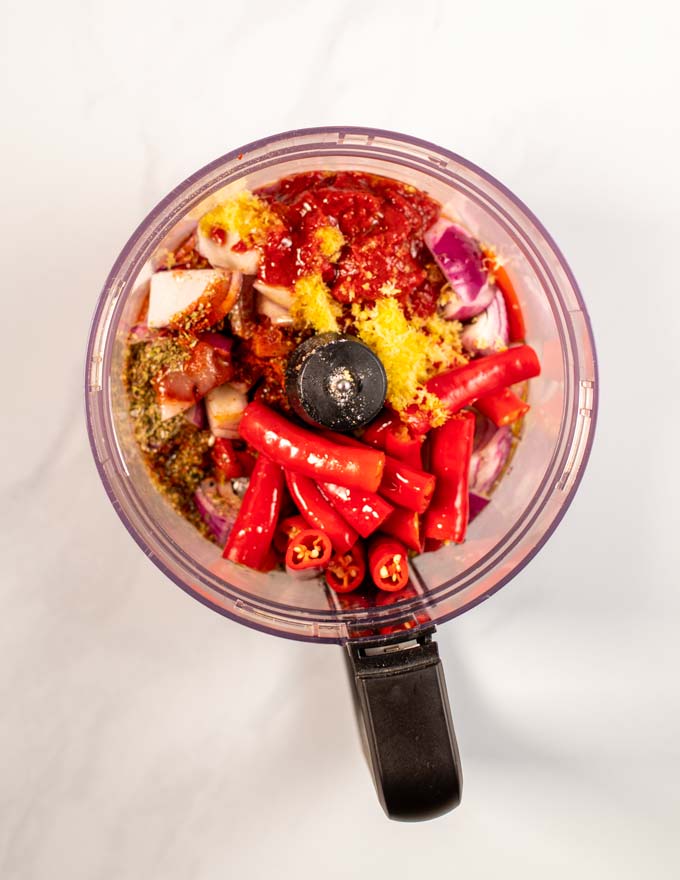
(406, 724)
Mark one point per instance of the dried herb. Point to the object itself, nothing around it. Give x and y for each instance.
(176, 452)
(145, 361)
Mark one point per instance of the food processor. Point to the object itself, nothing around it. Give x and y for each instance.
(396, 674)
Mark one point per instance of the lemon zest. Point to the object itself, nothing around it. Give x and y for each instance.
(313, 306)
(331, 242)
(246, 215)
(411, 351)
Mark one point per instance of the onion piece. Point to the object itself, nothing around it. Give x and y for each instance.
(462, 262)
(225, 406)
(282, 296)
(488, 332)
(242, 314)
(277, 314)
(208, 366)
(171, 408)
(216, 512)
(196, 415)
(141, 332)
(477, 503)
(218, 341)
(223, 256)
(484, 431)
(176, 291)
(488, 461)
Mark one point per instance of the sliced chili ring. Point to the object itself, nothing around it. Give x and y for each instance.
(309, 551)
(388, 564)
(288, 528)
(346, 571)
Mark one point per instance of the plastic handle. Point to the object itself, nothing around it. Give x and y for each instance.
(404, 716)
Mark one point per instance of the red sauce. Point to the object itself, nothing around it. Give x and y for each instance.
(382, 222)
(218, 235)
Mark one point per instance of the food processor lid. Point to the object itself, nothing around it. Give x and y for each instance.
(335, 381)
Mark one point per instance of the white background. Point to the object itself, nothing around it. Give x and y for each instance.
(142, 736)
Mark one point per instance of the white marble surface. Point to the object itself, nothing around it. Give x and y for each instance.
(144, 737)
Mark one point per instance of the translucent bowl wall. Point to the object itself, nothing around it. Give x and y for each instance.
(545, 470)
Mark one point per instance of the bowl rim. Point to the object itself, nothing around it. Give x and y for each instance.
(236, 154)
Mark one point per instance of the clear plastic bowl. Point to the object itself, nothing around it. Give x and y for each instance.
(545, 471)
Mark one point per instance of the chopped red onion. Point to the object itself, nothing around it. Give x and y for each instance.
(242, 314)
(282, 296)
(171, 408)
(223, 255)
(462, 262)
(488, 332)
(477, 504)
(141, 332)
(215, 511)
(225, 406)
(207, 367)
(277, 314)
(218, 341)
(484, 431)
(488, 460)
(196, 415)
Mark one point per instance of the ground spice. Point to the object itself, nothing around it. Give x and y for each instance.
(176, 453)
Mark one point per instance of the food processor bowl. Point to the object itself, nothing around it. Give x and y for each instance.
(545, 469)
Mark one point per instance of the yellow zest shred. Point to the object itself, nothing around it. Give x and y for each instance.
(244, 214)
(389, 288)
(313, 306)
(445, 341)
(331, 242)
(410, 351)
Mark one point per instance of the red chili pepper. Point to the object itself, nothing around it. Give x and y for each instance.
(405, 526)
(318, 513)
(375, 433)
(287, 529)
(405, 486)
(384, 599)
(252, 534)
(308, 553)
(464, 385)
(388, 432)
(450, 453)
(403, 445)
(226, 459)
(397, 627)
(246, 458)
(308, 453)
(388, 564)
(343, 439)
(364, 511)
(346, 571)
(432, 544)
(516, 329)
(352, 601)
(271, 560)
(503, 407)
(401, 484)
